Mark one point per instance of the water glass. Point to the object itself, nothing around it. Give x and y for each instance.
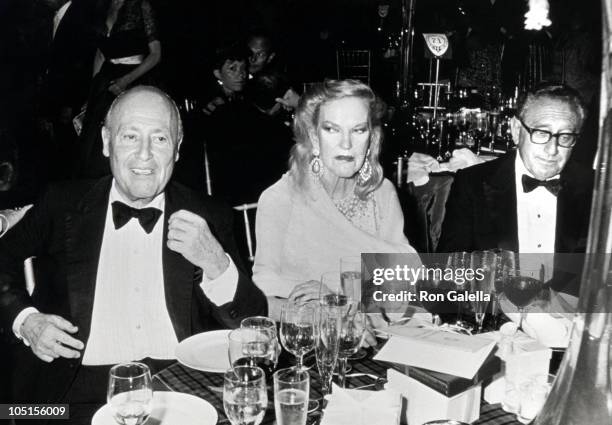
(291, 392)
(244, 395)
(267, 323)
(130, 395)
(459, 262)
(252, 347)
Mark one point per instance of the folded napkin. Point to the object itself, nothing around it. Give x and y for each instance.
(361, 407)
(462, 158)
(548, 330)
(419, 167)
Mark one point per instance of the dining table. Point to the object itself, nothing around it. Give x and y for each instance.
(365, 373)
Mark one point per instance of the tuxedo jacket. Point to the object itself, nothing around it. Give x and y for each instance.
(481, 208)
(64, 231)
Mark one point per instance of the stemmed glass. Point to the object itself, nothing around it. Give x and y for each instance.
(343, 294)
(244, 395)
(327, 343)
(459, 262)
(436, 288)
(350, 276)
(255, 322)
(297, 330)
(483, 266)
(130, 395)
(522, 287)
(505, 262)
(252, 347)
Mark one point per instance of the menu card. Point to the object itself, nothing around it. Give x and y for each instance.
(437, 350)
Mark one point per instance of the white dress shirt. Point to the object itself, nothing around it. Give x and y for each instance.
(130, 320)
(536, 214)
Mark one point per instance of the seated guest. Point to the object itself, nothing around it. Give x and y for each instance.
(262, 52)
(333, 202)
(118, 289)
(531, 201)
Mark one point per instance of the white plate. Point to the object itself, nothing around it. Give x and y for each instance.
(169, 408)
(206, 351)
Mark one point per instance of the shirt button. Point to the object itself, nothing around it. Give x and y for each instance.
(539, 245)
(138, 327)
(539, 216)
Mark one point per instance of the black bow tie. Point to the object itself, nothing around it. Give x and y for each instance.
(147, 217)
(529, 184)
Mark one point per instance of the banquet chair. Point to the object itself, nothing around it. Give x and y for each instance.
(28, 271)
(353, 64)
(247, 209)
(207, 182)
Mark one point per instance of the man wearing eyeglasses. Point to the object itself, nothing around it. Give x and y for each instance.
(533, 200)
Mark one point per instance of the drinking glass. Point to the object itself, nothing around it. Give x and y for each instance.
(352, 328)
(483, 266)
(266, 323)
(505, 262)
(327, 341)
(291, 389)
(350, 276)
(244, 395)
(252, 347)
(298, 330)
(130, 395)
(434, 289)
(459, 262)
(336, 292)
(522, 287)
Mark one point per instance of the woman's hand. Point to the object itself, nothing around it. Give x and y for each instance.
(307, 291)
(118, 86)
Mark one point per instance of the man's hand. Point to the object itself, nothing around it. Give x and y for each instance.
(12, 217)
(190, 236)
(289, 100)
(48, 337)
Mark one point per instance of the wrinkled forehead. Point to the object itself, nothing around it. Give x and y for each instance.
(145, 108)
(552, 112)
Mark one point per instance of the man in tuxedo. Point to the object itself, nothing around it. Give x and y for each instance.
(531, 201)
(130, 265)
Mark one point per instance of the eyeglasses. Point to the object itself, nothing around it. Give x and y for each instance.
(541, 137)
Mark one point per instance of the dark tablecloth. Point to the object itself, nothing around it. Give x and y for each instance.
(209, 386)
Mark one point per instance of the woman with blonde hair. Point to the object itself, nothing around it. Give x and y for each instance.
(333, 202)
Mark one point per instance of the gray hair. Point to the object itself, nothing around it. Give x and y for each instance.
(555, 91)
(307, 118)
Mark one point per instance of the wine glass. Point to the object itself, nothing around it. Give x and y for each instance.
(334, 292)
(483, 268)
(505, 262)
(267, 323)
(433, 290)
(244, 395)
(352, 328)
(297, 330)
(130, 395)
(522, 287)
(327, 342)
(253, 347)
(459, 262)
(350, 276)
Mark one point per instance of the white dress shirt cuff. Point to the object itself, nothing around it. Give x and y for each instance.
(4, 224)
(21, 317)
(221, 290)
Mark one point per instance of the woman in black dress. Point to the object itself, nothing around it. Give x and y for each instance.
(128, 50)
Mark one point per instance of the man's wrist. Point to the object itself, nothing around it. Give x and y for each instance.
(213, 270)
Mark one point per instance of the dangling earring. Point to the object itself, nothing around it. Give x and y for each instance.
(315, 163)
(365, 172)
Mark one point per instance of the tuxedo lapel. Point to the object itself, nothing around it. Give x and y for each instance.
(84, 233)
(179, 274)
(573, 209)
(500, 204)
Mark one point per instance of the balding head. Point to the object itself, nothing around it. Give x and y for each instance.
(141, 137)
(144, 94)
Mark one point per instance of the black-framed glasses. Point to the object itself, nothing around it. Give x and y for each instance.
(541, 137)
